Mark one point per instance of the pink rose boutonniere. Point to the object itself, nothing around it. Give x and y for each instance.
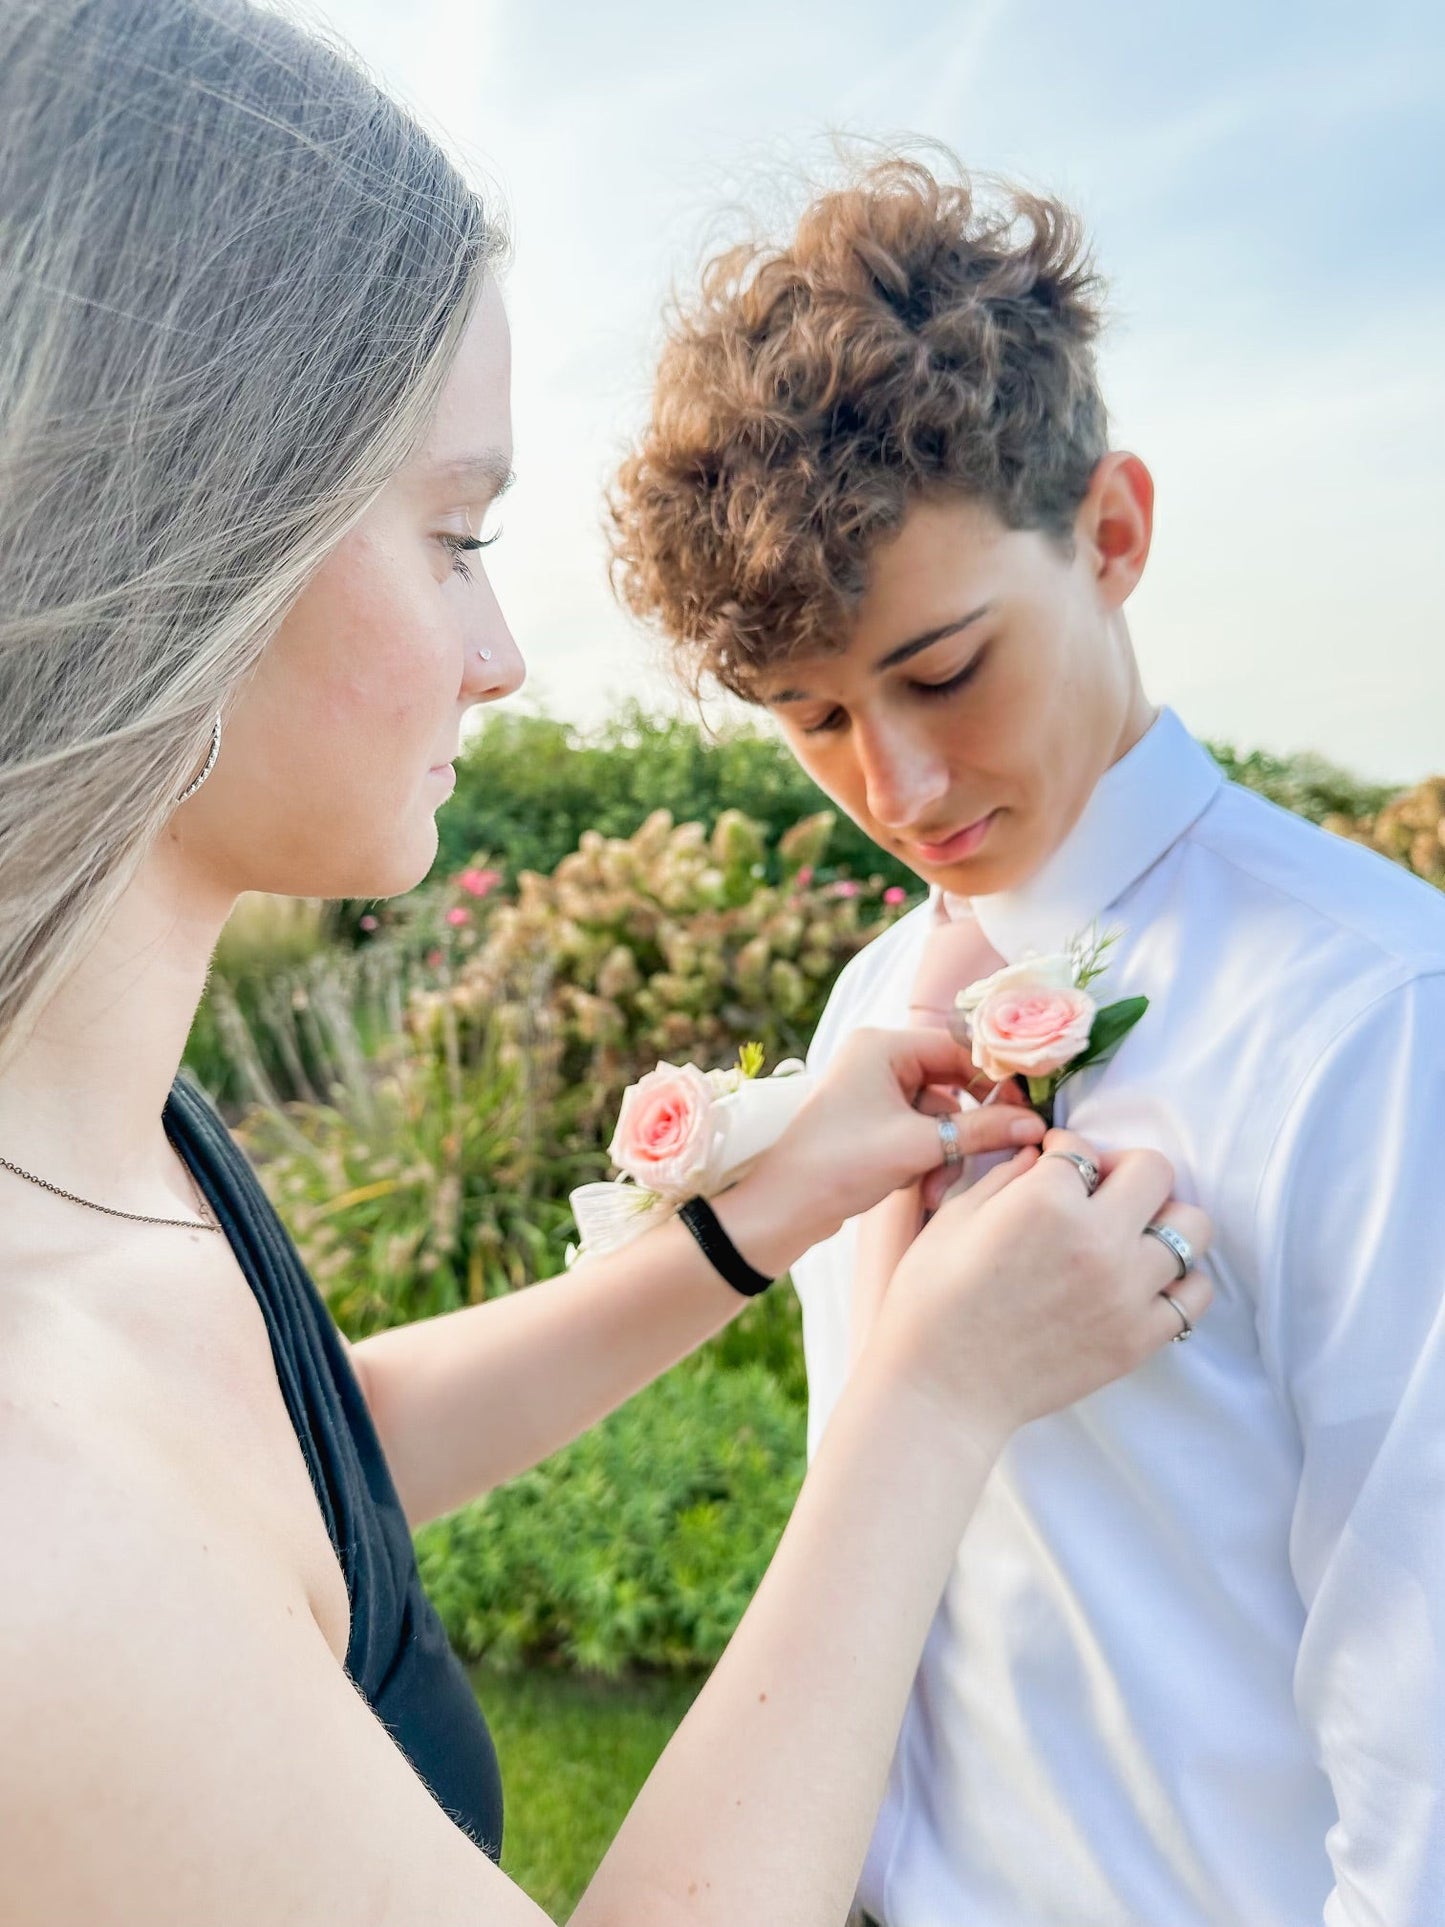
(1036, 1020)
(683, 1133)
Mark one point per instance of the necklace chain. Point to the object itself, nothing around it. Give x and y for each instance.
(206, 1222)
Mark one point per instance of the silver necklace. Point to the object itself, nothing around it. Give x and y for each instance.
(206, 1222)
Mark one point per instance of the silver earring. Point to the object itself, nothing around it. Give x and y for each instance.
(208, 765)
(485, 654)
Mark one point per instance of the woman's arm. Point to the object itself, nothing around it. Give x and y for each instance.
(763, 1804)
(467, 1400)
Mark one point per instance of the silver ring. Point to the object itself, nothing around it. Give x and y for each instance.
(1177, 1243)
(1186, 1330)
(1086, 1167)
(948, 1138)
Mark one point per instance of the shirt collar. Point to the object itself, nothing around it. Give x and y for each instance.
(1140, 806)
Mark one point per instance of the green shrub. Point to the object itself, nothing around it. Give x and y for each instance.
(639, 1544)
(1307, 784)
(529, 786)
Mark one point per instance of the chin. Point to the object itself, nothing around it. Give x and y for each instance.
(386, 870)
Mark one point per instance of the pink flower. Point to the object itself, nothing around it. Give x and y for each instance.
(479, 883)
(845, 888)
(458, 915)
(664, 1130)
(1030, 1025)
(804, 876)
(434, 959)
(895, 893)
(369, 922)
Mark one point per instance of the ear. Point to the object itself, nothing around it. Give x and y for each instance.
(1115, 525)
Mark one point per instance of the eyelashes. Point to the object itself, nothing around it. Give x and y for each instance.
(458, 547)
(927, 691)
(965, 675)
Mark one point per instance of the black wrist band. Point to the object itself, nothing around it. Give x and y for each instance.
(719, 1250)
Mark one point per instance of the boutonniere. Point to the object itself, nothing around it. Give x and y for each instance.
(683, 1133)
(1037, 1021)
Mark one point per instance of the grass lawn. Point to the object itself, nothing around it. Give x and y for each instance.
(574, 1753)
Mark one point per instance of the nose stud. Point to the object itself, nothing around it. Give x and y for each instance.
(485, 654)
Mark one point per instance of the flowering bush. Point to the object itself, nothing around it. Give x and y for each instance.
(1410, 829)
(662, 945)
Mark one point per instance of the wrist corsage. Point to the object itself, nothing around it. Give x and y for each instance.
(1036, 1020)
(684, 1133)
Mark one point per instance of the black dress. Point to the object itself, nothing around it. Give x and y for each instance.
(398, 1653)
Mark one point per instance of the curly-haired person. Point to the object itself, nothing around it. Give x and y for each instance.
(1186, 1670)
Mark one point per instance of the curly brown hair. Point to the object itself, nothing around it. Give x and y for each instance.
(916, 336)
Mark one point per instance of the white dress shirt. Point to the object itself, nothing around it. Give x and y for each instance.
(1190, 1664)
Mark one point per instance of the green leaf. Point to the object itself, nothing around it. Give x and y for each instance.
(1112, 1025)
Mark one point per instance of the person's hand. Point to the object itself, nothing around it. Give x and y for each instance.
(872, 1124)
(1024, 1294)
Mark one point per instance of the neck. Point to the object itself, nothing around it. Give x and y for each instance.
(1139, 713)
(81, 1099)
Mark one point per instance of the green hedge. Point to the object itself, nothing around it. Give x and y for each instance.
(640, 1544)
(528, 786)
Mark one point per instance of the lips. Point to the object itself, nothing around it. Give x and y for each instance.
(962, 843)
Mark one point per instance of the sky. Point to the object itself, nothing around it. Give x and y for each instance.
(1265, 185)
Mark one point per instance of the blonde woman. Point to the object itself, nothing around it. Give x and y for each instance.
(253, 414)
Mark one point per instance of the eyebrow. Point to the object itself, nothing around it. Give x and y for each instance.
(489, 471)
(913, 647)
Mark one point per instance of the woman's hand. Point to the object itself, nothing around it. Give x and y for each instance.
(1024, 1294)
(872, 1125)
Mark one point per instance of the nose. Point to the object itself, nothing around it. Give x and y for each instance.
(903, 776)
(493, 665)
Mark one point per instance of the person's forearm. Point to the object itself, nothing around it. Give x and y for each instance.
(466, 1400)
(762, 1805)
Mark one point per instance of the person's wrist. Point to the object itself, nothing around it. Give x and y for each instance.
(777, 1212)
(965, 1409)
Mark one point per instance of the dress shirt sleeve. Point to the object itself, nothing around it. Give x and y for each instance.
(1352, 1323)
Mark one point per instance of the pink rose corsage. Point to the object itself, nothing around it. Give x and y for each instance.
(684, 1133)
(1036, 1020)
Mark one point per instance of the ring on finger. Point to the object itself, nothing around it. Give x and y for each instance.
(1176, 1242)
(1086, 1168)
(1186, 1330)
(948, 1140)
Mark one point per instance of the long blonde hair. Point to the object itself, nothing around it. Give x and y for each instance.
(233, 274)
